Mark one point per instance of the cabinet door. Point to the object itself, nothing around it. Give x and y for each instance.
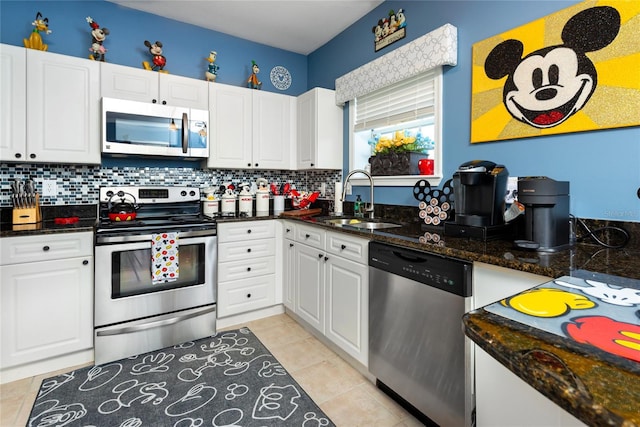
(309, 283)
(13, 105)
(305, 149)
(63, 100)
(230, 110)
(46, 309)
(183, 91)
(347, 302)
(272, 130)
(118, 81)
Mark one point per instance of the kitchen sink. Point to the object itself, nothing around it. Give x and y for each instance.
(361, 223)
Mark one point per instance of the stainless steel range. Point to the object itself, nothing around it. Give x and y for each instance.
(137, 307)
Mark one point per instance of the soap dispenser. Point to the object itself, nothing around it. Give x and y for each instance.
(358, 208)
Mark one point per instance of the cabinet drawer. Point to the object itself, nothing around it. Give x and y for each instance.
(17, 250)
(311, 236)
(245, 250)
(245, 295)
(252, 267)
(245, 230)
(348, 247)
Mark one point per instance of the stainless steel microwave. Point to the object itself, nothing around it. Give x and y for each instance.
(140, 128)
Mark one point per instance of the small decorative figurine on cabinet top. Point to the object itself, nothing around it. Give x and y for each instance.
(158, 60)
(35, 40)
(252, 81)
(98, 36)
(212, 68)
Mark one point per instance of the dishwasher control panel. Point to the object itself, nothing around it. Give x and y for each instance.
(438, 271)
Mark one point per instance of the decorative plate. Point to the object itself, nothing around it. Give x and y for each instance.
(280, 77)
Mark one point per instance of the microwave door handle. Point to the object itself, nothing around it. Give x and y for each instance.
(185, 133)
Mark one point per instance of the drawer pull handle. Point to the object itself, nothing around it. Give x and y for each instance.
(248, 295)
(45, 248)
(85, 262)
(343, 247)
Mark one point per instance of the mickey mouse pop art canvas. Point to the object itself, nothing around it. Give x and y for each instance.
(559, 81)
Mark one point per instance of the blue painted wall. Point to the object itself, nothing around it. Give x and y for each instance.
(185, 46)
(603, 167)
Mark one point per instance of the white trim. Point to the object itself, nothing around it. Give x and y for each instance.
(439, 47)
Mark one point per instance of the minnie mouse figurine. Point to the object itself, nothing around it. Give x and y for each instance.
(98, 36)
(159, 61)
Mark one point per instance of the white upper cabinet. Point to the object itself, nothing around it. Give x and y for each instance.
(250, 129)
(50, 107)
(151, 86)
(13, 103)
(319, 130)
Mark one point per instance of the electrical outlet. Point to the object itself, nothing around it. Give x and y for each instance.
(49, 188)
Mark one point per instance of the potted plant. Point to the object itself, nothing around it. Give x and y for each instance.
(399, 153)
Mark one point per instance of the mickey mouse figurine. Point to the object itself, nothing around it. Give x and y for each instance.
(98, 36)
(159, 61)
(252, 81)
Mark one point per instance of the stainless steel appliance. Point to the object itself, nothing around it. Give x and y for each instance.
(546, 213)
(131, 127)
(132, 314)
(417, 349)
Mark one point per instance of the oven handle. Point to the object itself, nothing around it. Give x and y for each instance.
(156, 324)
(135, 238)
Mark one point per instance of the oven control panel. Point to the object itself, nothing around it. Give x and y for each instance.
(144, 195)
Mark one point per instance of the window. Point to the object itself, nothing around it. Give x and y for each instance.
(411, 107)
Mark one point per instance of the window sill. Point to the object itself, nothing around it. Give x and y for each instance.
(398, 181)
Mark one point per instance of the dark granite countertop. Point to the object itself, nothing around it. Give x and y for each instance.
(86, 221)
(616, 262)
(594, 386)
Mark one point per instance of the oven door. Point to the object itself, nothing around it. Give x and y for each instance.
(123, 286)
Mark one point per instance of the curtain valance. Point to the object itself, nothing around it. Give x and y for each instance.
(439, 47)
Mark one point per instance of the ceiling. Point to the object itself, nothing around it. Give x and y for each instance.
(299, 26)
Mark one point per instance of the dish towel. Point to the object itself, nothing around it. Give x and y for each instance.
(164, 258)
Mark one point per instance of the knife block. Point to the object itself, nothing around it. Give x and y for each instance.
(27, 218)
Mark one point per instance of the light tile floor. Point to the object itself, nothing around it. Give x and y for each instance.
(346, 396)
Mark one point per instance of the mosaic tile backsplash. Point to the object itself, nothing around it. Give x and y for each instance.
(80, 184)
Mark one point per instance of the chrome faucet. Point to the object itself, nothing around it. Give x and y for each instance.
(368, 208)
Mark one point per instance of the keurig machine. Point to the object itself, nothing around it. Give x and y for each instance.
(479, 188)
(546, 213)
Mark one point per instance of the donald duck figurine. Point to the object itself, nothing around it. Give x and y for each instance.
(212, 68)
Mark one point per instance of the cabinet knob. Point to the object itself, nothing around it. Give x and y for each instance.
(45, 248)
(312, 164)
(256, 165)
(320, 255)
(18, 155)
(306, 236)
(249, 164)
(288, 230)
(164, 102)
(248, 295)
(290, 245)
(248, 268)
(249, 231)
(32, 156)
(85, 262)
(343, 247)
(154, 101)
(326, 258)
(249, 250)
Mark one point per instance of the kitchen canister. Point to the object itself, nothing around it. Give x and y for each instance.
(228, 201)
(210, 204)
(278, 204)
(262, 196)
(245, 201)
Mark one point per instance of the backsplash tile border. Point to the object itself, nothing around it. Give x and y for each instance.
(80, 184)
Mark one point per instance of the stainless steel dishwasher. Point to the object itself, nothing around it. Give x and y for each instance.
(417, 349)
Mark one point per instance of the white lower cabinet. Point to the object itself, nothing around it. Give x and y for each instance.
(46, 301)
(503, 398)
(330, 286)
(247, 273)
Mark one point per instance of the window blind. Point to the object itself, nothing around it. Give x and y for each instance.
(409, 99)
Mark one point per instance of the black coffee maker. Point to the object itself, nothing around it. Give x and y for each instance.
(546, 213)
(479, 189)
